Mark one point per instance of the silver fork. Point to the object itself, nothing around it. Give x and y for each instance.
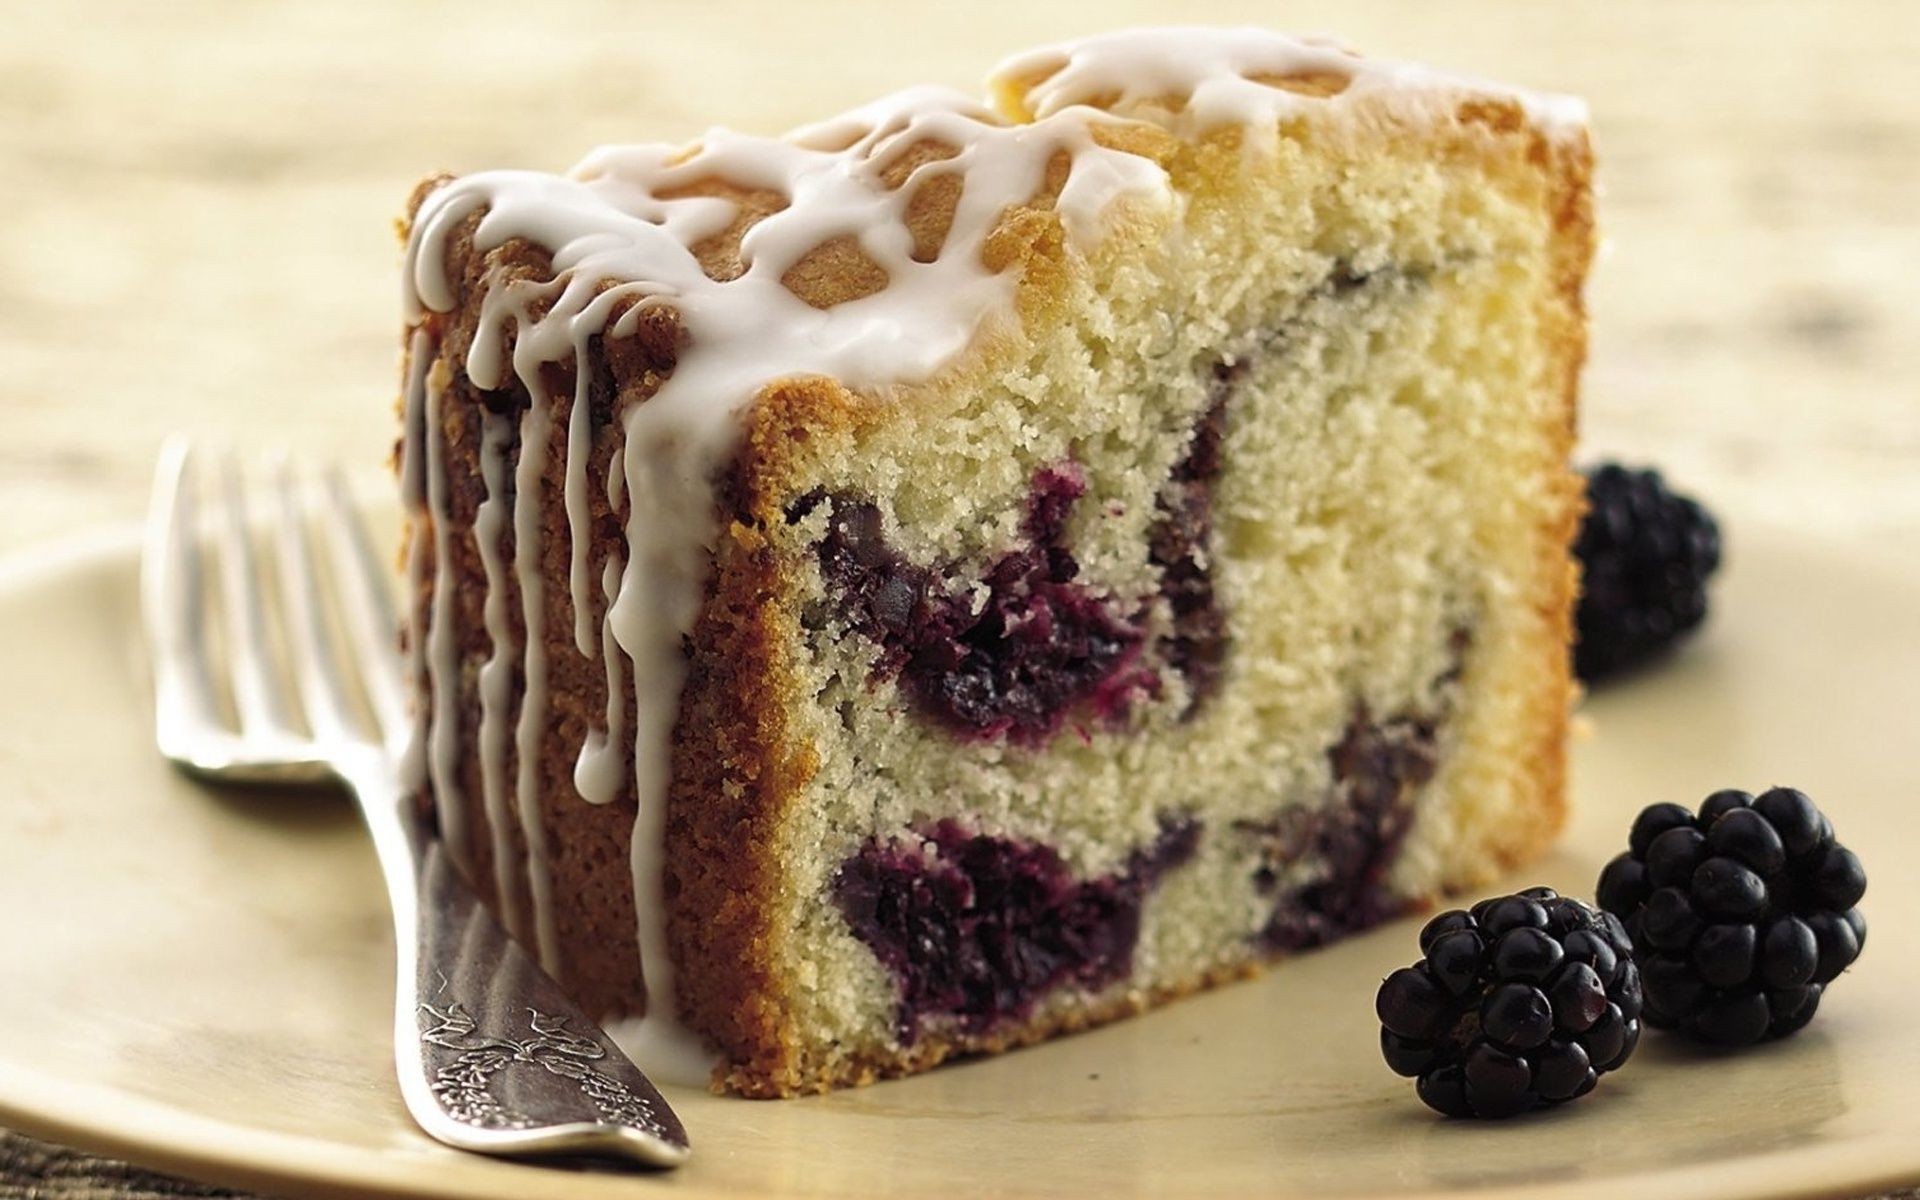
(492, 1056)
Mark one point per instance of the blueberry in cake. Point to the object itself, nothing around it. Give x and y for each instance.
(968, 570)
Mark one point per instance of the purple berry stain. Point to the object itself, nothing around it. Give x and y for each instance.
(1041, 645)
(1180, 544)
(978, 928)
(1377, 766)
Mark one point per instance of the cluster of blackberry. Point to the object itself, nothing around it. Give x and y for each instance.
(1724, 924)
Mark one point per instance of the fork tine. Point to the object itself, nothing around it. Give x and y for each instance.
(367, 603)
(172, 593)
(257, 695)
(325, 690)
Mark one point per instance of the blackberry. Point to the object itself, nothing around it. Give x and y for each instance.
(1521, 1002)
(1741, 914)
(1645, 554)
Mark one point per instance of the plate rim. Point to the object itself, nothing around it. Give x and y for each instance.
(159, 1140)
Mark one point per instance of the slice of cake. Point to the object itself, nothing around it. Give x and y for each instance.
(969, 570)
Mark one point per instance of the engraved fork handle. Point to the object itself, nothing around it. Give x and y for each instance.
(492, 1055)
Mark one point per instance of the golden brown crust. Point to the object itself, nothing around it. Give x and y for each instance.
(737, 770)
(930, 210)
(1569, 167)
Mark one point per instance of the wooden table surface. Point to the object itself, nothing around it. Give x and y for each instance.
(199, 198)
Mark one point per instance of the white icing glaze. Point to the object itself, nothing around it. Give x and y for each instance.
(496, 673)
(596, 773)
(442, 648)
(1213, 73)
(536, 430)
(618, 244)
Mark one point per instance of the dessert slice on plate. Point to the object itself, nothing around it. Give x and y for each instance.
(971, 569)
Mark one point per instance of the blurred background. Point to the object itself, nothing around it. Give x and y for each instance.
(197, 206)
(199, 202)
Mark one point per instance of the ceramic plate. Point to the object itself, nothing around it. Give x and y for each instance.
(199, 980)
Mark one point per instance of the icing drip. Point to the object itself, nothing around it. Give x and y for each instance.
(442, 650)
(1199, 79)
(528, 535)
(604, 772)
(596, 774)
(579, 449)
(622, 232)
(496, 673)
